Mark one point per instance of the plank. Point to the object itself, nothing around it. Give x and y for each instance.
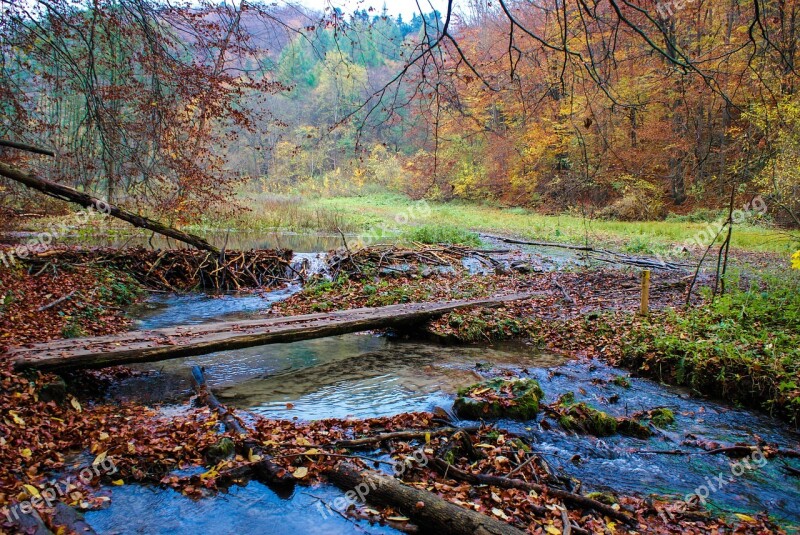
(185, 341)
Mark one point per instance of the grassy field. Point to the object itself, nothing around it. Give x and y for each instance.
(383, 217)
(402, 215)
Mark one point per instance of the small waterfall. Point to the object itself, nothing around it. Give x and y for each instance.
(306, 265)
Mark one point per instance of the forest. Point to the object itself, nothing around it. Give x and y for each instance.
(459, 266)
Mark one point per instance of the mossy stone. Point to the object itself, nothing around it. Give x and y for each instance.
(565, 400)
(602, 497)
(662, 417)
(221, 450)
(633, 428)
(517, 399)
(622, 381)
(583, 418)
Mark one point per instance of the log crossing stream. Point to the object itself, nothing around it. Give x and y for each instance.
(185, 341)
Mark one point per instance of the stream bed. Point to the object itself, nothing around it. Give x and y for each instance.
(367, 375)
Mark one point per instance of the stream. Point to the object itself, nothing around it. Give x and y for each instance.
(368, 375)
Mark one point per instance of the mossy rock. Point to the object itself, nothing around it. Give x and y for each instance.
(621, 380)
(565, 400)
(520, 445)
(223, 449)
(583, 418)
(517, 399)
(633, 428)
(602, 497)
(662, 417)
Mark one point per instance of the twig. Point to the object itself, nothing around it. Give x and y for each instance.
(56, 302)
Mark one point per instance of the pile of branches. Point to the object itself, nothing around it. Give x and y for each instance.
(178, 269)
(380, 257)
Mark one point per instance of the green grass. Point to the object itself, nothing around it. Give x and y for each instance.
(440, 234)
(743, 346)
(385, 217)
(403, 214)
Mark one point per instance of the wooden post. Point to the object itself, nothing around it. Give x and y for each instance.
(645, 305)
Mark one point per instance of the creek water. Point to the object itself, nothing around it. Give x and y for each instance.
(365, 375)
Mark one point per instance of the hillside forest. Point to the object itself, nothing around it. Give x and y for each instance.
(627, 110)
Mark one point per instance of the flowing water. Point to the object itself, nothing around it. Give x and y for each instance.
(364, 375)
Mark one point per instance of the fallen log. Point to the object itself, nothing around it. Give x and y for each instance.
(265, 470)
(28, 523)
(597, 254)
(162, 344)
(66, 193)
(397, 435)
(427, 510)
(65, 519)
(56, 302)
(542, 243)
(448, 470)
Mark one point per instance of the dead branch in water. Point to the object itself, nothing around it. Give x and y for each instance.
(265, 470)
(448, 470)
(426, 509)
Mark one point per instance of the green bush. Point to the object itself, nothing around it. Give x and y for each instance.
(432, 234)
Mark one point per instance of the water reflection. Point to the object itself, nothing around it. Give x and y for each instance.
(298, 242)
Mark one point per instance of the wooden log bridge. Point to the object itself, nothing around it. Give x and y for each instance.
(176, 342)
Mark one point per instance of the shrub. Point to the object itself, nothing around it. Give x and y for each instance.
(432, 234)
(743, 347)
(640, 201)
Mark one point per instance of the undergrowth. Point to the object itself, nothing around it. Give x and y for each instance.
(433, 234)
(743, 347)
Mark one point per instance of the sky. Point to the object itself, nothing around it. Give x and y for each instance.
(403, 7)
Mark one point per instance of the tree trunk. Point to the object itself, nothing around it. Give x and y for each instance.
(69, 194)
(265, 470)
(430, 512)
(193, 340)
